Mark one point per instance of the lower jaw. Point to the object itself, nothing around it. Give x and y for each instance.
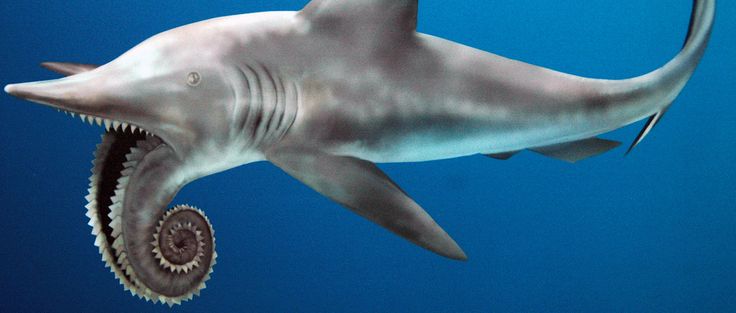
(112, 165)
(110, 157)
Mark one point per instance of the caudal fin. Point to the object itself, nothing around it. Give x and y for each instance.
(683, 65)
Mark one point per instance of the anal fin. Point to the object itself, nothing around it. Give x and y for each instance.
(575, 151)
(502, 156)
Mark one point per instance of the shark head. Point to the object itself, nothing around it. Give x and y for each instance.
(174, 86)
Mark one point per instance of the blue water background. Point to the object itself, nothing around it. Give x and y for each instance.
(651, 232)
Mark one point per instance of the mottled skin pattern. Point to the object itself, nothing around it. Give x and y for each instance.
(325, 93)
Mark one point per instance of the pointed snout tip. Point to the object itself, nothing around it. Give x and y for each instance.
(17, 90)
(9, 89)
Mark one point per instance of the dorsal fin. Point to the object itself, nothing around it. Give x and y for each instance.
(373, 17)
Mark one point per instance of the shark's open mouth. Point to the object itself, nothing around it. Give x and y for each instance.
(184, 239)
(157, 254)
(108, 166)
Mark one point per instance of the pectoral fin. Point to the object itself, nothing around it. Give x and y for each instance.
(362, 187)
(577, 150)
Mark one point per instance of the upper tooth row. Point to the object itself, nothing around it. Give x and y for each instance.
(108, 123)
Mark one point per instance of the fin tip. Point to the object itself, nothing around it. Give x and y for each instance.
(48, 65)
(452, 251)
(462, 257)
(648, 126)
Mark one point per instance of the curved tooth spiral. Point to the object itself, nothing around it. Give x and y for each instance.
(183, 238)
(98, 204)
(179, 244)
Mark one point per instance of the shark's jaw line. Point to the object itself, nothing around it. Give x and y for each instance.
(52, 94)
(323, 94)
(108, 124)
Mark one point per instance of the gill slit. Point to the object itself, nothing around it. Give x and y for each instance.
(290, 112)
(280, 109)
(242, 109)
(276, 104)
(272, 103)
(267, 93)
(254, 103)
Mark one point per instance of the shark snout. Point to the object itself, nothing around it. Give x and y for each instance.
(77, 93)
(39, 92)
(13, 90)
(34, 92)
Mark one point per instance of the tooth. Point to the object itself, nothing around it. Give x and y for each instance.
(98, 121)
(133, 128)
(74, 114)
(115, 125)
(90, 120)
(83, 117)
(107, 124)
(125, 127)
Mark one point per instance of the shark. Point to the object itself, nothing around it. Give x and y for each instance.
(324, 93)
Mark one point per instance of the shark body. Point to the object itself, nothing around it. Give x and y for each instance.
(324, 94)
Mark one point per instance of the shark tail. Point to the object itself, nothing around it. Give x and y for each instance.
(676, 73)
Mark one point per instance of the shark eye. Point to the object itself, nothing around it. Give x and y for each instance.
(193, 79)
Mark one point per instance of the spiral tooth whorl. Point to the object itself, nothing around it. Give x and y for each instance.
(182, 239)
(183, 243)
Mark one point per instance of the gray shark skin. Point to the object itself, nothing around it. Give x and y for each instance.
(324, 94)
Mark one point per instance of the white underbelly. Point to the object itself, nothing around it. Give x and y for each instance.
(429, 146)
(426, 148)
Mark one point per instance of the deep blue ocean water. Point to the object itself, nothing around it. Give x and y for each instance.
(651, 232)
